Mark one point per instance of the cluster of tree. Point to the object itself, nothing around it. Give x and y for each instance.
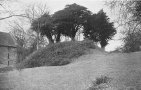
(130, 19)
(66, 22)
(70, 20)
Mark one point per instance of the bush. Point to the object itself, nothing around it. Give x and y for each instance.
(57, 54)
(132, 42)
(23, 52)
(100, 83)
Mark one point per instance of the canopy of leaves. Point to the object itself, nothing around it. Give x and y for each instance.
(44, 25)
(70, 19)
(99, 28)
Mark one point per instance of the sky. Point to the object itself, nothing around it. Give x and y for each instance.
(54, 5)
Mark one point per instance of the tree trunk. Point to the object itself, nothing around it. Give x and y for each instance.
(58, 37)
(103, 44)
(73, 38)
(51, 41)
(103, 48)
(37, 46)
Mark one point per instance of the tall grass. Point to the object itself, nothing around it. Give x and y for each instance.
(57, 54)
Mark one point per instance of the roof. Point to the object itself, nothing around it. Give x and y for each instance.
(7, 40)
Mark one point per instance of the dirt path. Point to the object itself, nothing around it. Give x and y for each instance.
(125, 69)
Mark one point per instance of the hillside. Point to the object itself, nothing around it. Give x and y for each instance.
(57, 54)
(124, 69)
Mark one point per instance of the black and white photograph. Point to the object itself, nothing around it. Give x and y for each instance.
(70, 44)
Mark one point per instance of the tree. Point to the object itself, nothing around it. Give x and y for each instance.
(99, 29)
(26, 40)
(130, 20)
(33, 12)
(133, 38)
(132, 42)
(69, 20)
(44, 26)
(6, 12)
(20, 36)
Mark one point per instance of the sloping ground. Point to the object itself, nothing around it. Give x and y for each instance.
(125, 69)
(57, 54)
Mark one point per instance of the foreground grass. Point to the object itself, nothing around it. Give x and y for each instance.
(57, 54)
(100, 83)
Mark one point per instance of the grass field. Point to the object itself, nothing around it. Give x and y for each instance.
(123, 69)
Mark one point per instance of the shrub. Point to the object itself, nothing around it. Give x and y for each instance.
(100, 83)
(23, 52)
(6, 69)
(132, 42)
(57, 54)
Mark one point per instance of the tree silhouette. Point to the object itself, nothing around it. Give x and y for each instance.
(44, 26)
(70, 19)
(99, 29)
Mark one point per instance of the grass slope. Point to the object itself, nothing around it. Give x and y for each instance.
(123, 69)
(57, 54)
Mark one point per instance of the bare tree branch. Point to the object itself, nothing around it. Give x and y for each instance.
(20, 15)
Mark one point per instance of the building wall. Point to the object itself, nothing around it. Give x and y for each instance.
(4, 55)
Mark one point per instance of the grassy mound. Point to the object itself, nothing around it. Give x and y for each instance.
(57, 54)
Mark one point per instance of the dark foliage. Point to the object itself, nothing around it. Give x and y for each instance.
(70, 19)
(44, 25)
(99, 29)
(137, 10)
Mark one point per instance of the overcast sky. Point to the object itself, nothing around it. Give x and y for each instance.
(55, 5)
